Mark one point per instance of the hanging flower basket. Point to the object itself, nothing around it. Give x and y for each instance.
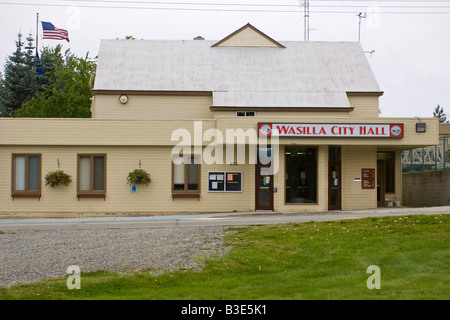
(139, 176)
(56, 178)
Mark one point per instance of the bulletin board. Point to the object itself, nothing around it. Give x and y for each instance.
(367, 178)
(224, 181)
(233, 181)
(216, 181)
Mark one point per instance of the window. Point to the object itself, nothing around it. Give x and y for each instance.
(301, 175)
(245, 113)
(186, 176)
(26, 175)
(92, 175)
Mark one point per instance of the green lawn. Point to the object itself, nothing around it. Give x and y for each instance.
(314, 260)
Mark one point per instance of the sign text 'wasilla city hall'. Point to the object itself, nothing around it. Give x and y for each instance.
(379, 130)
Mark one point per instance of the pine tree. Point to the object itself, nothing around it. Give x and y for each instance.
(51, 60)
(440, 114)
(19, 81)
(69, 94)
(3, 111)
(55, 84)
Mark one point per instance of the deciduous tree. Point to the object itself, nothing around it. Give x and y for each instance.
(69, 94)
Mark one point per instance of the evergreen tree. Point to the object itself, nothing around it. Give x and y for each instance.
(440, 114)
(54, 84)
(3, 111)
(50, 60)
(19, 82)
(68, 95)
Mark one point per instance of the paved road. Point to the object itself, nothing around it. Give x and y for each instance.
(226, 219)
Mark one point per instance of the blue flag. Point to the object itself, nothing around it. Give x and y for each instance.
(39, 68)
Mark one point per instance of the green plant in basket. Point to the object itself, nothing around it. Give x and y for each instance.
(56, 178)
(139, 176)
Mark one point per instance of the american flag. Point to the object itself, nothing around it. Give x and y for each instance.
(51, 32)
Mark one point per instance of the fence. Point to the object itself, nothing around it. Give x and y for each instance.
(426, 189)
(428, 158)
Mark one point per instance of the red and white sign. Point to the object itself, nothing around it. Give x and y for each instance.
(338, 130)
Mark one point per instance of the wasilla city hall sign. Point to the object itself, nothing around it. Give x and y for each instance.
(389, 130)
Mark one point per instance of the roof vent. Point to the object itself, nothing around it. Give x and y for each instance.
(199, 38)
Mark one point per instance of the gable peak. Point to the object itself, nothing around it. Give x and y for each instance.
(248, 36)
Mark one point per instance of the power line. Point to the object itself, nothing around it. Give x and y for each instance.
(224, 9)
(260, 5)
(148, 8)
(268, 5)
(250, 4)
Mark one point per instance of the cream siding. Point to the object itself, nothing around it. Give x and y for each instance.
(364, 106)
(155, 198)
(285, 114)
(96, 132)
(153, 107)
(398, 176)
(247, 37)
(355, 158)
(93, 132)
(126, 142)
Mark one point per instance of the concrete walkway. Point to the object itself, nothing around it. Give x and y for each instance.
(343, 214)
(354, 213)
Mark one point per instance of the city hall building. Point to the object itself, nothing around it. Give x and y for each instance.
(242, 124)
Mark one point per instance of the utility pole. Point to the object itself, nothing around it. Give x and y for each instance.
(360, 15)
(306, 19)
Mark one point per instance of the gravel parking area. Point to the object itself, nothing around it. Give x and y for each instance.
(28, 256)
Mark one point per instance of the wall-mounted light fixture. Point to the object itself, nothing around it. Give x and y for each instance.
(123, 98)
(421, 126)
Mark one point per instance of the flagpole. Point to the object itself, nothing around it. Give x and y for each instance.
(37, 31)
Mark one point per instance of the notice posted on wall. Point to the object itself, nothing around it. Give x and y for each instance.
(234, 181)
(225, 181)
(367, 178)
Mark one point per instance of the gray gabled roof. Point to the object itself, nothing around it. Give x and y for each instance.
(303, 74)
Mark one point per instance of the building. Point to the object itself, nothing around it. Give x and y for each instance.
(435, 157)
(444, 129)
(241, 124)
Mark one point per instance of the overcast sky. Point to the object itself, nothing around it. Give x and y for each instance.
(410, 39)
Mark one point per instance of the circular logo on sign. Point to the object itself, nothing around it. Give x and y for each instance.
(265, 129)
(396, 130)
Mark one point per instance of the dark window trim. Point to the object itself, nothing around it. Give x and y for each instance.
(25, 193)
(187, 193)
(245, 113)
(91, 193)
